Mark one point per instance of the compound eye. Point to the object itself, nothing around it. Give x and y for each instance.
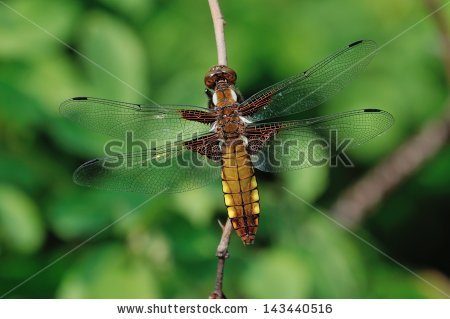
(219, 73)
(230, 76)
(210, 80)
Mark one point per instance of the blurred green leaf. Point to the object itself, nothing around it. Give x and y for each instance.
(434, 177)
(199, 205)
(135, 9)
(18, 108)
(82, 213)
(277, 274)
(108, 271)
(116, 59)
(33, 29)
(337, 265)
(388, 283)
(15, 171)
(21, 227)
(309, 183)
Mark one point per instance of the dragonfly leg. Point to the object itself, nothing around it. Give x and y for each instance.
(245, 120)
(213, 127)
(221, 143)
(244, 139)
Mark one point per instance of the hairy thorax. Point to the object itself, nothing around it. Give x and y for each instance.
(229, 125)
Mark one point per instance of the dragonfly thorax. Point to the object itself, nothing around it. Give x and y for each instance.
(224, 95)
(229, 124)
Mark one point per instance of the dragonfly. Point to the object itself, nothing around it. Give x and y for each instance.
(231, 137)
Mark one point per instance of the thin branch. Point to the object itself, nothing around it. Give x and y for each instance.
(222, 255)
(365, 194)
(222, 249)
(218, 22)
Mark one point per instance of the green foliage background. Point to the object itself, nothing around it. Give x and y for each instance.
(166, 248)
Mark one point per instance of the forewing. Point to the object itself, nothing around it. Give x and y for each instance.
(146, 122)
(170, 169)
(282, 146)
(311, 88)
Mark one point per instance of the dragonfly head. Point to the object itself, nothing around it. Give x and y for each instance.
(219, 73)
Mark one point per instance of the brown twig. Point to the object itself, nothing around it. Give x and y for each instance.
(218, 22)
(365, 194)
(222, 255)
(222, 249)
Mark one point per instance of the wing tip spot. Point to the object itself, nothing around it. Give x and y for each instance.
(372, 110)
(355, 43)
(80, 98)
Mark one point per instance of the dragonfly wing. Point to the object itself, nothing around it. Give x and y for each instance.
(311, 88)
(282, 146)
(175, 169)
(146, 122)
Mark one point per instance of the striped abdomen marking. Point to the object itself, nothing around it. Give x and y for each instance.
(240, 190)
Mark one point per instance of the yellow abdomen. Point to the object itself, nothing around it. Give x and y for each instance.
(240, 190)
